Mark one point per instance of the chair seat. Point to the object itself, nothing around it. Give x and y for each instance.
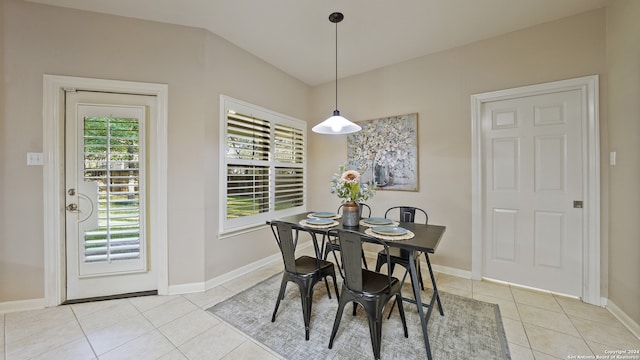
(374, 283)
(308, 265)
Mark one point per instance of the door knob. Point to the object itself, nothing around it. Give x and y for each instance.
(72, 207)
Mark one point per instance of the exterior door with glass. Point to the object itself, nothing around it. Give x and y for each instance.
(108, 251)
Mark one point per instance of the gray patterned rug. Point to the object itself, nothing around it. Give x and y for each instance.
(470, 329)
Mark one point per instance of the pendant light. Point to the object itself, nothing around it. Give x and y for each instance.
(336, 124)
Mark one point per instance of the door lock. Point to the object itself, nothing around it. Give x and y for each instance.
(72, 207)
(577, 204)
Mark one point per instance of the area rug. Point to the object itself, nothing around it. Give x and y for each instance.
(469, 329)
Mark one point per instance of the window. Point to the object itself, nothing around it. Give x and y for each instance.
(263, 157)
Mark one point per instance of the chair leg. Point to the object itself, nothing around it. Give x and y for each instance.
(364, 261)
(375, 330)
(326, 283)
(336, 322)
(306, 295)
(335, 287)
(283, 287)
(402, 317)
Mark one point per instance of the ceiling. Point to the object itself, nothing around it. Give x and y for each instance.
(297, 37)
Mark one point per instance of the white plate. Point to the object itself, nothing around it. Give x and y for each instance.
(323, 214)
(378, 221)
(389, 230)
(319, 221)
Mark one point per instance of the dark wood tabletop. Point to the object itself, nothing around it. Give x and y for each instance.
(426, 239)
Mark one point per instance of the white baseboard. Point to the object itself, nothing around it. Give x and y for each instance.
(624, 318)
(185, 288)
(465, 274)
(22, 305)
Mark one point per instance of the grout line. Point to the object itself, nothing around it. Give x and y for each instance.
(83, 332)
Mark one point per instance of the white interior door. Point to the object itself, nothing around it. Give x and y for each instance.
(108, 251)
(533, 217)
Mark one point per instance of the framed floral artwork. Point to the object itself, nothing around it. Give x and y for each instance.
(386, 151)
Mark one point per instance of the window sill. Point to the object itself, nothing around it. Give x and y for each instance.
(241, 230)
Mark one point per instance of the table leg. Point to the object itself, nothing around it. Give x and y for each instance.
(433, 282)
(416, 290)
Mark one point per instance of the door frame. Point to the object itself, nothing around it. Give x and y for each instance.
(53, 111)
(588, 87)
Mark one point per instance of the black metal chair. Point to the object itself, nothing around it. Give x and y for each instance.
(401, 256)
(372, 290)
(305, 271)
(334, 244)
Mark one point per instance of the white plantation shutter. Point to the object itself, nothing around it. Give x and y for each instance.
(111, 162)
(263, 160)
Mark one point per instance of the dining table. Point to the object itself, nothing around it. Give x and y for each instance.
(425, 241)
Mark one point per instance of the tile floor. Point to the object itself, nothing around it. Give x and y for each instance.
(538, 326)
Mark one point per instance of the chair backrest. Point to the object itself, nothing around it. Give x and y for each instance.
(351, 256)
(287, 242)
(365, 210)
(407, 213)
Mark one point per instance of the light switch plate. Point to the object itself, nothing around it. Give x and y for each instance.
(35, 159)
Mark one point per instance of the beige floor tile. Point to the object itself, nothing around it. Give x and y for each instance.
(169, 311)
(520, 352)
(601, 349)
(41, 317)
(189, 326)
(542, 356)
(174, 354)
(492, 289)
(542, 300)
(40, 341)
(250, 350)
(207, 299)
(76, 350)
(146, 303)
(556, 343)
(616, 336)
(148, 346)
(515, 332)
(26, 324)
(82, 310)
(508, 308)
(99, 317)
(575, 307)
(214, 343)
(456, 291)
(449, 281)
(547, 319)
(108, 338)
(244, 282)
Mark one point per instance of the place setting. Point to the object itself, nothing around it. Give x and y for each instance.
(389, 232)
(320, 220)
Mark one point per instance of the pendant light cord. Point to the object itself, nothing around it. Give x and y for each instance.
(336, 66)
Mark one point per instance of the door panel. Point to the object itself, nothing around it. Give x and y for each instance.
(105, 177)
(533, 148)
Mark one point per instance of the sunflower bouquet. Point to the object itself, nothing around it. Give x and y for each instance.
(346, 184)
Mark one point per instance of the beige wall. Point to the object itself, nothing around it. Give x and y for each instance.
(438, 87)
(197, 67)
(623, 62)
